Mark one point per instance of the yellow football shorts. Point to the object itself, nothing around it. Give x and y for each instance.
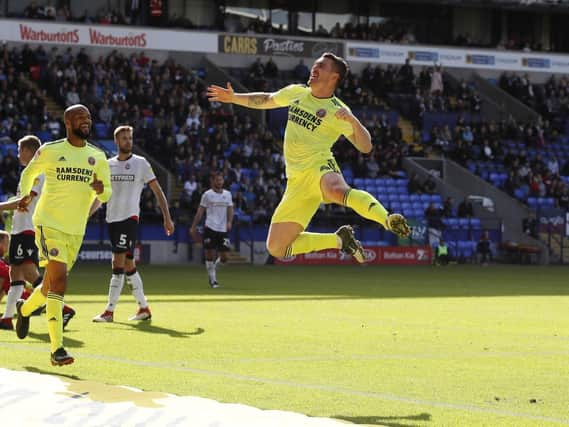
(54, 245)
(303, 195)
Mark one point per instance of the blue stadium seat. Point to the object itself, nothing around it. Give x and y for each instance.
(396, 206)
(532, 202)
(101, 130)
(436, 198)
(475, 223)
(452, 222)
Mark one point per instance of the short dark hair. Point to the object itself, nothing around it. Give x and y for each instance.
(340, 66)
(30, 142)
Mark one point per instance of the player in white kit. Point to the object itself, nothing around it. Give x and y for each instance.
(217, 204)
(23, 253)
(129, 174)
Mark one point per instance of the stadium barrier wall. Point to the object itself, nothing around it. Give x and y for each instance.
(376, 255)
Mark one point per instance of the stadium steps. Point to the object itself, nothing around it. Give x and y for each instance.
(52, 106)
(234, 257)
(409, 134)
(407, 130)
(556, 247)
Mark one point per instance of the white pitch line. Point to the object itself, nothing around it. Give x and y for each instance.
(326, 388)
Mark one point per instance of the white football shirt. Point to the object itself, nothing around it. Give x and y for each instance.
(216, 205)
(128, 178)
(22, 221)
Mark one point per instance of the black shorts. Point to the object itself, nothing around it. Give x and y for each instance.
(23, 249)
(215, 240)
(123, 235)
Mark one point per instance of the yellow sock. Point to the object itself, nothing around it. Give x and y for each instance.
(365, 205)
(34, 301)
(311, 242)
(54, 308)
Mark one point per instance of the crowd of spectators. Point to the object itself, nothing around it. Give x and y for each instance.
(551, 99)
(156, 13)
(134, 12)
(22, 111)
(378, 87)
(484, 144)
(415, 94)
(174, 122)
(388, 31)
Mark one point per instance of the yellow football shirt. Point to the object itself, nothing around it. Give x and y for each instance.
(67, 196)
(312, 127)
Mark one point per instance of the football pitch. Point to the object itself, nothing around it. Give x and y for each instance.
(390, 346)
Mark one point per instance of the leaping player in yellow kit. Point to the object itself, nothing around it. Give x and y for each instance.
(316, 119)
(76, 173)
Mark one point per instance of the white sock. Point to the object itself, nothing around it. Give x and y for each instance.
(115, 289)
(137, 289)
(14, 294)
(210, 266)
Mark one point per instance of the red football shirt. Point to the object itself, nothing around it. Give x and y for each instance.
(5, 274)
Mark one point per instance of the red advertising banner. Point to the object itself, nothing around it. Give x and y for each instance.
(108, 35)
(384, 255)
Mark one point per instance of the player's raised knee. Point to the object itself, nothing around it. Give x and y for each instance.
(276, 249)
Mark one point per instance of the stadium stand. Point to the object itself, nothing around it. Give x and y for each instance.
(197, 137)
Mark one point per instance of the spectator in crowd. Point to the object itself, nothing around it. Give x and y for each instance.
(437, 87)
(441, 253)
(301, 72)
(429, 186)
(257, 68)
(414, 185)
(483, 249)
(465, 209)
(271, 69)
(530, 226)
(447, 211)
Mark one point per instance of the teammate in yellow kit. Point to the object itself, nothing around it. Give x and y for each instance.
(316, 119)
(76, 173)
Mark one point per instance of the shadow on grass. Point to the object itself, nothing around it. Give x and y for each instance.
(147, 326)
(387, 421)
(68, 342)
(43, 372)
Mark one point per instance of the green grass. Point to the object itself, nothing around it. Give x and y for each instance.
(395, 346)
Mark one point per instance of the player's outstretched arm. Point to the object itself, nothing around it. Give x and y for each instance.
(163, 203)
(256, 100)
(360, 138)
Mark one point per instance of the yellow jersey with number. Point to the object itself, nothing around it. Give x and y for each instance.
(312, 127)
(67, 194)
